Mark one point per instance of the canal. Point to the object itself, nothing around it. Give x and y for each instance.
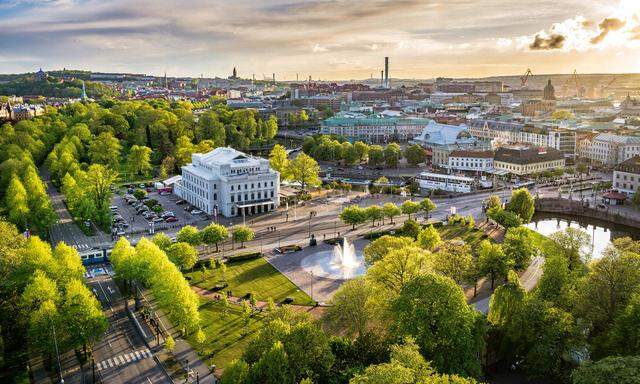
(602, 232)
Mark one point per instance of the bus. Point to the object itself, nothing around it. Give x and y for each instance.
(524, 184)
(449, 183)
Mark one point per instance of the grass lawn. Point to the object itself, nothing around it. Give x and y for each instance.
(541, 242)
(470, 236)
(256, 276)
(226, 338)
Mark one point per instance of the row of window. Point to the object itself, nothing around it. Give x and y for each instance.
(238, 197)
(260, 185)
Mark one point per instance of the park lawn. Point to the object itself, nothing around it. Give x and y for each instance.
(470, 236)
(541, 242)
(256, 276)
(226, 339)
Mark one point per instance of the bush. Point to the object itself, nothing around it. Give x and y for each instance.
(411, 228)
(245, 256)
(139, 193)
(505, 218)
(376, 234)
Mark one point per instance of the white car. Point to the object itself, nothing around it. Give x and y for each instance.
(196, 212)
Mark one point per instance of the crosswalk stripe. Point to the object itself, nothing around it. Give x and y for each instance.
(138, 355)
(127, 357)
(110, 362)
(121, 359)
(148, 352)
(144, 353)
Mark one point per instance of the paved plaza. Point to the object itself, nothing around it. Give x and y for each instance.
(320, 289)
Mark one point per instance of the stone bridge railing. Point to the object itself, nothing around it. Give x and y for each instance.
(577, 208)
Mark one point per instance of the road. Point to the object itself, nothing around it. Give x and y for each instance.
(121, 355)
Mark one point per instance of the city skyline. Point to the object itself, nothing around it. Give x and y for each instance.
(325, 39)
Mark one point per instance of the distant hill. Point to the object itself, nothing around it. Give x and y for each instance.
(27, 85)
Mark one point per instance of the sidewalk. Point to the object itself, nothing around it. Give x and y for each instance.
(182, 352)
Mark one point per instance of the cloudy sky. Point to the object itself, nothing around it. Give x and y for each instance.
(327, 39)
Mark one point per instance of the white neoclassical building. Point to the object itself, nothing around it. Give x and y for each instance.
(228, 182)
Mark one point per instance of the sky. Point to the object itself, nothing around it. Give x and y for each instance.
(327, 39)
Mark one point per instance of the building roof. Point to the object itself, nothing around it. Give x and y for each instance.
(444, 134)
(476, 154)
(225, 155)
(613, 195)
(338, 121)
(527, 155)
(631, 165)
(618, 139)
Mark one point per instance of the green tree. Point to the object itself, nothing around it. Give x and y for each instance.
(411, 228)
(427, 206)
(492, 261)
(162, 241)
(522, 204)
(429, 238)
(214, 234)
(169, 344)
(236, 373)
(415, 154)
(380, 247)
(376, 155)
(351, 308)
(353, 215)
(453, 260)
(105, 150)
(494, 201)
(16, 202)
(362, 150)
(572, 243)
(139, 161)
(391, 210)
(392, 154)
(399, 267)
(624, 338)
(614, 369)
(518, 247)
(183, 255)
(454, 338)
(635, 200)
(304, 170)
(279, 161)
(272, 368)
(190, 235)
(406, 366)
(82, 313)
(374, 213)
(408, 207)
(242, 233)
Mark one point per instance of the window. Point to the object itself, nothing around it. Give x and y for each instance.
(232, 187)
(232, 198)
(215, 196)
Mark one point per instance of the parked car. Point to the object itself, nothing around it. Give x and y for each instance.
(180, 202)
(165, 193)
(167, 214)
(113, 208)
(196, 212)
(171, 219)
(157, 219)
(120, 232)
(123, 224)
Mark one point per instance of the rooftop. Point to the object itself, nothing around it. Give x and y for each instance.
(618, 139)
(527, 155)
(631, 165)
(477, 154)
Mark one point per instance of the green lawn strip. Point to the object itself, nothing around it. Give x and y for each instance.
(468, 235)
(226, 339)
(541, 242)
(256, 276)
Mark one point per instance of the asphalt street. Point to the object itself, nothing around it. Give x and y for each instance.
(121, 356)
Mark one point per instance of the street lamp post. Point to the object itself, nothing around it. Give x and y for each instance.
(55, 343)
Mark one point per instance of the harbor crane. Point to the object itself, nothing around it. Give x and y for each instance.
(525, 77)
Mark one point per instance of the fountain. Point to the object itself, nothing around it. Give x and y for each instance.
(340, 263)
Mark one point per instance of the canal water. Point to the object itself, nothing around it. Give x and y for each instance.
(601, 232)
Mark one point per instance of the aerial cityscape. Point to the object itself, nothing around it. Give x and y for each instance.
(320, 191)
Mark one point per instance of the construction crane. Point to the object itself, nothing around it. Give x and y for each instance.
(525, 77)
(604, 88)
(580, 90)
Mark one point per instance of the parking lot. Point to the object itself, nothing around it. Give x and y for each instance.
(131, 215)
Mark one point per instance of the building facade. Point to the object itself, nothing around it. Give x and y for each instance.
(626, 176)
(558, 138)
(475, 161)
(610, 149)
(228, 182)
(524, 160)
(374, 128)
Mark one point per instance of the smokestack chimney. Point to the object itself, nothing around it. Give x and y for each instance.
(382, 78)
(386, 72)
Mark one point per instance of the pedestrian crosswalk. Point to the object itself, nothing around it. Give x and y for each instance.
(124, 359)
(81, 247)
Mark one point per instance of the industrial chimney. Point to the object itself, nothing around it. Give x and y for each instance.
(386, 72)
(382, 78)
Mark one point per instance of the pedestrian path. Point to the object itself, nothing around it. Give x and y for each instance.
(124, 359)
